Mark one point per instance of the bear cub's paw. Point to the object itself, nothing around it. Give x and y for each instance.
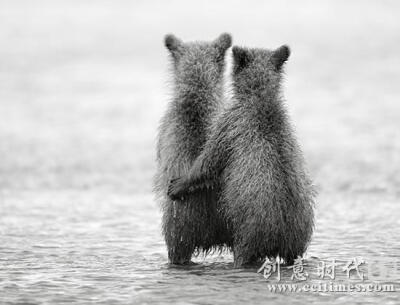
(177, 189)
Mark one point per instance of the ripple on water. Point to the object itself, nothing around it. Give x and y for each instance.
(82, 257)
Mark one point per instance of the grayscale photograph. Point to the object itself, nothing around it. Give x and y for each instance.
(199, 152)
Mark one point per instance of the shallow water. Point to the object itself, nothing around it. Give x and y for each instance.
(82, 88)
(85, 246)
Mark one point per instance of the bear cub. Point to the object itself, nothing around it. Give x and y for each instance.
(197, 73)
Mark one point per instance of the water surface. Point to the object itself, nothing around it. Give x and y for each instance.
(82, 87)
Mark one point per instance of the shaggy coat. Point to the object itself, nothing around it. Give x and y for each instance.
(252, 155)
(193, 226)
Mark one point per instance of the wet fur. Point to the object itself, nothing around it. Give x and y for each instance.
(194, 225)
(253, 157)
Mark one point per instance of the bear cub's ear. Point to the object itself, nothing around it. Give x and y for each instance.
(280, 56)
(174, 45)
(223, 42)
(241, 58)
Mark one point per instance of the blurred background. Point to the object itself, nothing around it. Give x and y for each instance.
(83, 85)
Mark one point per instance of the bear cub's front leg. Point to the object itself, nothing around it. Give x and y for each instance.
(183, 186)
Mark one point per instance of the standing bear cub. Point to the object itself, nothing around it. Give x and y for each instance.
(198, 69)
(253, 157)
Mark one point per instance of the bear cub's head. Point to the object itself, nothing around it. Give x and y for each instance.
(198, 63)
(257, 70)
